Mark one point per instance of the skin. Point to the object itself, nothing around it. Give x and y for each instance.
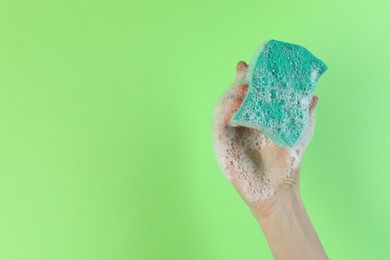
(282, 217)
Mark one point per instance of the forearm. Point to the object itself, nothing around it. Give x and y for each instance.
(288, 229)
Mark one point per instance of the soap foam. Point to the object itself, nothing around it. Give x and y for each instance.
(248, 157)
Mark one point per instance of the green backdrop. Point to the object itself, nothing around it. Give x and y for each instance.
(105, 134)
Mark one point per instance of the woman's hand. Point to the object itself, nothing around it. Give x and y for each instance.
(259, 169)
(267, 177)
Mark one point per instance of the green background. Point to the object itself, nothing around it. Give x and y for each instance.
(105, 134)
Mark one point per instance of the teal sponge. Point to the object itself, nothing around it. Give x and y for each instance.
(282, 78)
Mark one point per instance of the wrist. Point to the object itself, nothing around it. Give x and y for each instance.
(287, 226)
(287, 201)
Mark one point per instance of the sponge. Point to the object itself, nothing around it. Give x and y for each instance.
(282, 78)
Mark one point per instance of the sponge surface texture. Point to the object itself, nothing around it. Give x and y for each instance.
(282, 78)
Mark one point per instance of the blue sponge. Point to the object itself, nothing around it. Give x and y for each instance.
(282, 78)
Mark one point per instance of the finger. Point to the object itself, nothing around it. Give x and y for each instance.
(223, 109)
(241, 67)
(232, 109)
(242, 90)
(232, 102)
(313, 103)
(308, 132)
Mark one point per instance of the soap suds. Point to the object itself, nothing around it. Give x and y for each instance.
(258, 165)
(247, 154)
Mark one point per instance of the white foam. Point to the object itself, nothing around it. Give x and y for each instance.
(257, 165)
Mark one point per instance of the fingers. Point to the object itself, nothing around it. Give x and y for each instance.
(229, 103)
(241, 68)
(236, 103)
(224, 134)
(232, 109)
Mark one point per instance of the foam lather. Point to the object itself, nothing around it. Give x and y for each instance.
(282, 78)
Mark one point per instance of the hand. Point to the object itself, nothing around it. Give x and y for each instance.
(266, 176)
(261, 171)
